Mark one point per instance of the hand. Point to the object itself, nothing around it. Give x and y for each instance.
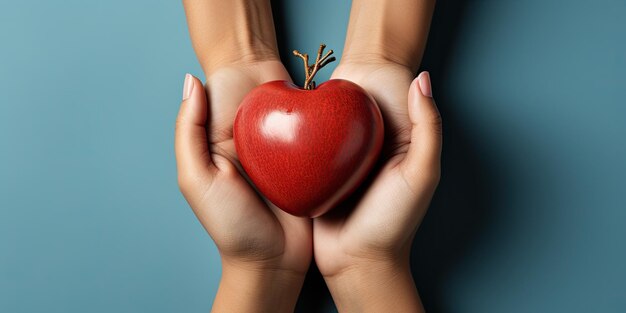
(265, 252)
(365, 248)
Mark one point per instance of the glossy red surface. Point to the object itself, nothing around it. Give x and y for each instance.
(306, 150)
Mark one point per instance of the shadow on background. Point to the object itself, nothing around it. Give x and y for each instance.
(280, 24)
(460, 208)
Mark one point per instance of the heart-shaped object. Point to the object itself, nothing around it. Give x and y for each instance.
(307, 150)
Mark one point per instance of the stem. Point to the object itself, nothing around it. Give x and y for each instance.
(311, 70)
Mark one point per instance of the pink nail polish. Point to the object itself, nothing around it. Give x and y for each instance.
(188, 86)
(424, 82)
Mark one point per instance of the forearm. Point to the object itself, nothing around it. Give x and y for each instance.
(392, 30)
(229, 32)
(375, 288)
(257, 290)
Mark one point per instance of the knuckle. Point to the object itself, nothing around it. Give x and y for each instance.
(432, 177)
(187, 182)
(183, 183)
(191, 183)
(179, 123)
(437, 123)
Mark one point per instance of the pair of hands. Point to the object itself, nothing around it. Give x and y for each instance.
(373, 234)
(361, 248)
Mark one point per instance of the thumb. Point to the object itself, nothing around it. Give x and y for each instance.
(192, 152)
(423, 160)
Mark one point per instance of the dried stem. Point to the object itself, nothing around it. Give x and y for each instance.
(311, 70)
(305, 59)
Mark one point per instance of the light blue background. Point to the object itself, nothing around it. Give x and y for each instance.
(530, 215)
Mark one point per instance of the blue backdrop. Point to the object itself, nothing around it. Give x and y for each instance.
(530, 215)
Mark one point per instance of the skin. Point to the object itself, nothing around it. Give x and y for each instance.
(362, 249)
(364, 254)
(265, 252)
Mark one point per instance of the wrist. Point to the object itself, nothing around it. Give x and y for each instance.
(226, 33)
(392, 31)
(257, 288)
(234, 53)
(375, 286)
(359, 52)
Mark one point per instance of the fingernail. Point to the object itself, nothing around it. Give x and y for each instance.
(424, 82)
(188, 86)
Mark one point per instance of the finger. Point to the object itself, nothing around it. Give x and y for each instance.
(192, 152)
(423, 159)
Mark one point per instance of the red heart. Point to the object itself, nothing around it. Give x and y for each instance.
(307, 150)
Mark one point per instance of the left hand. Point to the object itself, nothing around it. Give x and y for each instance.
(375, 235)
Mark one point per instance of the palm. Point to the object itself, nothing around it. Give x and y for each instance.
(250, 226)
(382, 212)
